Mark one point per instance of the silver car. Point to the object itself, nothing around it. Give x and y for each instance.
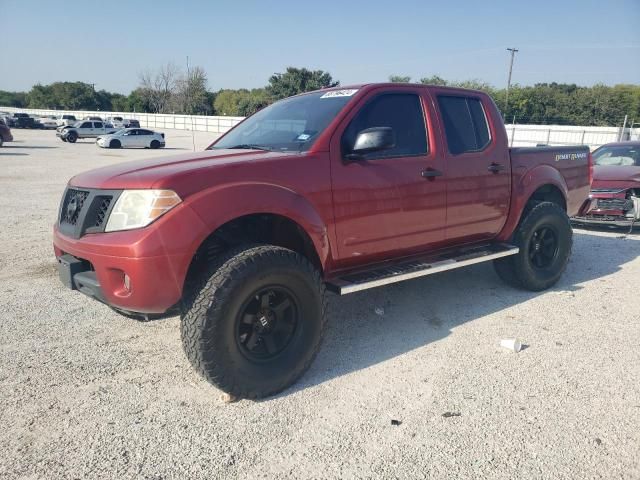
(132, 138)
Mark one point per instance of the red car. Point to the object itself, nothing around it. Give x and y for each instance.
(615, 193)
(5, 133)
(343, 189)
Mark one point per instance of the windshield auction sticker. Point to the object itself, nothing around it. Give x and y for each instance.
(340, 93)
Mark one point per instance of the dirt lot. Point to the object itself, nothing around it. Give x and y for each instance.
(87, 393)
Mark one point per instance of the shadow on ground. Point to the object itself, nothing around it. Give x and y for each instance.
(419, 312)
(9, 146)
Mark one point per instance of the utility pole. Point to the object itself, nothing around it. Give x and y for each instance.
(506, 101)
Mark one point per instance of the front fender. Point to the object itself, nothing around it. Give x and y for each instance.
(223, 203)
(525, 183)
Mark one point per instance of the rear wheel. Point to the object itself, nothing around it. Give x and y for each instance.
(545, 239)
(72, 137)
(254, 322)
(115, 144)
(155, 144)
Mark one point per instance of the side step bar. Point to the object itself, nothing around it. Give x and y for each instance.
(384, 275)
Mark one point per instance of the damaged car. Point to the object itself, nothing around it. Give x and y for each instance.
(615, 193)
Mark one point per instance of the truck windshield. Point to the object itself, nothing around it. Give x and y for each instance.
(292, 124)
(618, 155)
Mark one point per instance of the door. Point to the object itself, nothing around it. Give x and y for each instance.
(478, 168)
(98, 129)
(85, 130)
(130, 138)
(383, 202)
(144, 138)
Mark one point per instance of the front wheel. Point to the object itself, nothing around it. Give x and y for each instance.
(72, 137)
(545, 239)
(115, 144)
(255, 321)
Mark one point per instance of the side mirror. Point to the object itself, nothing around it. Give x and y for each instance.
(372, 140)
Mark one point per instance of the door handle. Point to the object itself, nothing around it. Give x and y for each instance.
(495, 167)
(431, 173)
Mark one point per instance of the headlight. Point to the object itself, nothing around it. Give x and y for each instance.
(138, 208)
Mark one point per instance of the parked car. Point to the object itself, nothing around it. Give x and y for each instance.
(47, 122)
(131, 138)
(83, 129)
(615, 192)
(130, 123)
(344, 188)
(117, 122)
(66, 120)
(22, 120)
(97, 119)
(5, 133)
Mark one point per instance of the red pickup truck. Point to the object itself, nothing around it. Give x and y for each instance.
(342, 189)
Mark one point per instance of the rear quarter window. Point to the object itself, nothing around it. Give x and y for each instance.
(465, 124)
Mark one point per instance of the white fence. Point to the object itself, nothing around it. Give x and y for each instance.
(519, 135)
(198, 123)
(532, 135)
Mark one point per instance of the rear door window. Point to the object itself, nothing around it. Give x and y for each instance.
(465, 124)
(86, 125)
(97, 125)
(400, 111)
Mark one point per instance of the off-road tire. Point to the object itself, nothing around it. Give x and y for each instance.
(155, 144)
(72, 137)
(519, 270)
(115, 144)
(214, 302)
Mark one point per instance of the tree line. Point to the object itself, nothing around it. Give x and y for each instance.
(168, 89)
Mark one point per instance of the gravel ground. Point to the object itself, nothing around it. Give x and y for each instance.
(85, 392)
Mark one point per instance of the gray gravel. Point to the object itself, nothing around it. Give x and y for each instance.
(85, 392)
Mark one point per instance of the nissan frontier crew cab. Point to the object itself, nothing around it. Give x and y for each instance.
(342, 189)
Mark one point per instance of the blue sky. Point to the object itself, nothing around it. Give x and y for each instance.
(241, 43)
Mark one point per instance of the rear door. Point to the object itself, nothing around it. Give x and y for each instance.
(144, 137)
(98, 128)
(477, 165)
(382, 202)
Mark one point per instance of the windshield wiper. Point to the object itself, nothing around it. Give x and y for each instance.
(250, 146)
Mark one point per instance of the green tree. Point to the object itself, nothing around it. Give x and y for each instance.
(298, 80)
(399, 79)
(13, 99)
(434, 80)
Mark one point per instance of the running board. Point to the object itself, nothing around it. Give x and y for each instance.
(387, 274)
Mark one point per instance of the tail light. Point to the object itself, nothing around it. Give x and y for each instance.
(590, 169)
(162, 135)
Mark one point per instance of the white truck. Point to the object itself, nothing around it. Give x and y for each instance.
(83, 129)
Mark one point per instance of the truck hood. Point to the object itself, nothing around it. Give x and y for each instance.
(615, 177)
(165, 172)
(619, 173)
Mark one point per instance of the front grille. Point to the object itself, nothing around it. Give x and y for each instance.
(86, 210)
(101, 211)
(615, 204)
(72, 206)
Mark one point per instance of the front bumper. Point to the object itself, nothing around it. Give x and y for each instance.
(138, 271)
(611, 210)
(609, 220)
